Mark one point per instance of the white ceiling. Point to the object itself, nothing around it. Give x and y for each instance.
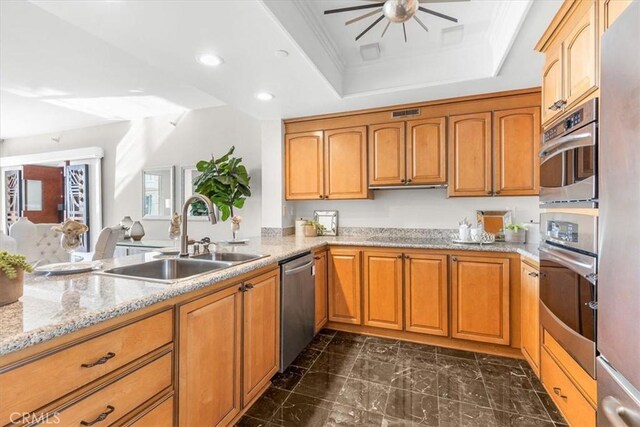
(71, 64)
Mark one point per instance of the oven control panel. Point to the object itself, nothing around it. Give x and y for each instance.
(585, 114)
(564, 231)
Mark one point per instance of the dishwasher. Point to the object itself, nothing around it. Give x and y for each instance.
(297, 306)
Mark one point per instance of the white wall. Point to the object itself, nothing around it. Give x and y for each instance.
(131, 146)
(419, 208)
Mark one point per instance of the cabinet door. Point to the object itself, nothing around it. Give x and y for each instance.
(346, 163)
(552, 84)
(387, 154)
(426, 294)
(580, 57)
(261, 349)
(321, 290)
(209, 359)
(609, 11)
(382, 288)
(529, 311)
(304, 166)
(426, 151)
(344, 286)
(470, 155)
(515, 154)
(480, 299)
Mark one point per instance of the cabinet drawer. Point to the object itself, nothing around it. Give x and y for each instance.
(160, 416)
(122, 396)
(573, 405)
(106, 352)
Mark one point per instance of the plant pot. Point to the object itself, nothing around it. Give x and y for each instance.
(11, 289)
(513, 236)
(310, 231)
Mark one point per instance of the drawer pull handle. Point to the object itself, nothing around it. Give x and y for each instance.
(100, 418)
(532, 274)
(558, 391)
(100, 361)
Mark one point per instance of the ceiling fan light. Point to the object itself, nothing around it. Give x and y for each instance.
(400, 10)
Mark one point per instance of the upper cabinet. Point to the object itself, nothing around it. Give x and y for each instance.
(408, 153)
(570, 45)
(326, 165)
(609, 10)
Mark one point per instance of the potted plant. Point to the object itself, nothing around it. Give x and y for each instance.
(515, 233)
(313, 228)
(225, 181)
(12, 268)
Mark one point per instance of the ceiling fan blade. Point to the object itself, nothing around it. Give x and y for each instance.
(366, 15)
(438, 14)
(373, 24)
(421, 23)
(385, 29)
(350, 8)
(404, 30)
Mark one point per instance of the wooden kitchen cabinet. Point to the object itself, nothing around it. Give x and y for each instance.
(346, 163)
(552, 83)
(516, 162)
(382, 289)
(210, 341)
(426, 151)
(426, 294)
(470, 155)
(321, 288)
(304, 166)
(480, 299)
(261, 333)
(609, 11)
(580, 55)
(387, 154)
(530, 315)
(345, 285)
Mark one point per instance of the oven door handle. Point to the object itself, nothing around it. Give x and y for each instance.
(567, 143)
(567, 259)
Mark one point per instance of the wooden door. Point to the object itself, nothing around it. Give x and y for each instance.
(304, 166)
(426, 294)
(515, 153)
(480, 299)
(530, 314)
(387, 154)
(580, 57)
(321, 290)
(346, 163)
(261, 333)
(43, 193)
(426, 151)
(209, 359)
(552, 84)
(382, 289)
(345, 286)
(470, 155)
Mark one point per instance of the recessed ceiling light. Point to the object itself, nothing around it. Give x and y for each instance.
(265, 96)
(281, 53)
(209, 59)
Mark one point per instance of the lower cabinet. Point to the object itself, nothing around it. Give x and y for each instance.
(480, 299)
(383, 289)
(160, 416)
(530, 315)
(345, 285)
(321, 290)
(426, 294)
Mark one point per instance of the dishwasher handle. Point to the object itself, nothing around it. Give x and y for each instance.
(297, 269)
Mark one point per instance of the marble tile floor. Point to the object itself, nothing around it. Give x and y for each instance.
(344, 379)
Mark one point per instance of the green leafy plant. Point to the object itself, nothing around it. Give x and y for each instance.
(515, 227)
(225, 181)
(11, 263)
(320, 229)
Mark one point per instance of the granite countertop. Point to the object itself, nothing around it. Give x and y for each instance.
(57, 305)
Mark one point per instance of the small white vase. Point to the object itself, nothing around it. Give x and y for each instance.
(136, 232)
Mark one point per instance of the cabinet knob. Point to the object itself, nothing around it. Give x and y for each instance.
(407, 256)
(249, 286)
(316, 257)
(321, 196)
(400, 256)
(532, 274)
(489, 192)
(497, 192)
(454, 258)
(558, 391)
(409, 180)
(402, 181)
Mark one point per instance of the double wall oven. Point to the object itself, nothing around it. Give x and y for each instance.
(569, 232)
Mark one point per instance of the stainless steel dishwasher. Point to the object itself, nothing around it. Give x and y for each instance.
(297, 307)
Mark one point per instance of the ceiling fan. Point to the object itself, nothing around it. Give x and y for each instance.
(396, 11)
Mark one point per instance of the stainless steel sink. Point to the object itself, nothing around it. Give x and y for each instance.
(228, 256)
(167, 270)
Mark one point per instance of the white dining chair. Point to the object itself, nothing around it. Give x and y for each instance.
(106, 243)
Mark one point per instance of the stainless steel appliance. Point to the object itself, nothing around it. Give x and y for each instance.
(568, 159)
(619, 266)
(568, 291)
(297, 306)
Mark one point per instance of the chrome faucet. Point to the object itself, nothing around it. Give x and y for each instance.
(212, 212)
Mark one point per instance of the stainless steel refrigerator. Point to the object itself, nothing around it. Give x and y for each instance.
(618, 367)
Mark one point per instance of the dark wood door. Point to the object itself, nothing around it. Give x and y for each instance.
(44, 193)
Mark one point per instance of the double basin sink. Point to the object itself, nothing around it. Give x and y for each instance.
(170, 270)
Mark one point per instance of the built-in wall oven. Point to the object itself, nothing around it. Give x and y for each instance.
(568, 283)
(568, 159)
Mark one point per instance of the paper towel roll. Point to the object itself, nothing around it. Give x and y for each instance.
(300, 223)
